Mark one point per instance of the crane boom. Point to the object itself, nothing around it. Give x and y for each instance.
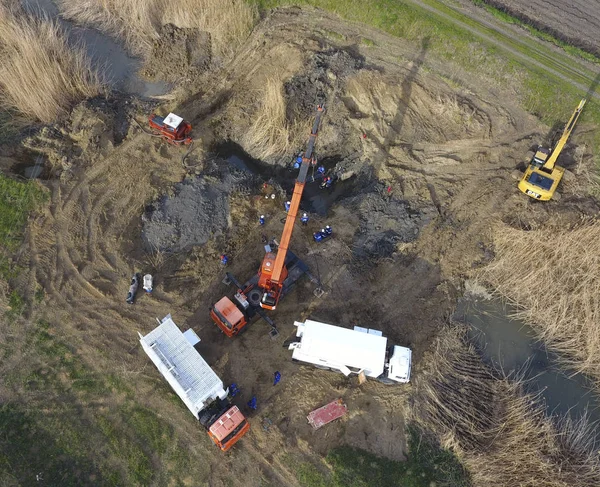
(549, 165)
(275, 273)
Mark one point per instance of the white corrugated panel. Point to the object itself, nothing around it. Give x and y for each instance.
(184, 368)
(330, 345)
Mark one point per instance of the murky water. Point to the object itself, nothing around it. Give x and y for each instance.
(118, 66)
(511, 345)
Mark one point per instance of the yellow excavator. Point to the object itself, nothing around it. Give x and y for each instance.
(543, 175)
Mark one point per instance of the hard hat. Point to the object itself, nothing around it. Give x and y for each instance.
(322, 229)
(262, 216)
(304, 214)
(299, 159)
(327, 226)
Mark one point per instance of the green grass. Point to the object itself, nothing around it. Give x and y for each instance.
(17, 200)
(427, 465)
(27, 449)
(122, 443)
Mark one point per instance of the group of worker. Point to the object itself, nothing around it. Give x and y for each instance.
(234, 390)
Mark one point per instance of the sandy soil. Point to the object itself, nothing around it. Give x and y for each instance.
(396, 263)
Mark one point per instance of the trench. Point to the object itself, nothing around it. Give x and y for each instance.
(314, 199)
(108, 56)
(510, 345)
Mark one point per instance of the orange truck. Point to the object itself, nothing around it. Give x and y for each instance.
(195, 382)
(279, 270)
(172, 128)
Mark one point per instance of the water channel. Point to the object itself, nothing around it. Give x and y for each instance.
(510, 345)
(110, 57)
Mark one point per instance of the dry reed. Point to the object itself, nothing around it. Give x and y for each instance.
(138, 22)
(500, 433)
(270, 133)
(553, 276)
(41, 76)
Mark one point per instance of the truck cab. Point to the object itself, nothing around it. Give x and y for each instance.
(398, 364)
(193, 380)
(225, 424)
(228, 317)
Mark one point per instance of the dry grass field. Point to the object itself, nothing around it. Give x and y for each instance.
(502, 435)
(138, 22)
(41, 76)
(553, 275)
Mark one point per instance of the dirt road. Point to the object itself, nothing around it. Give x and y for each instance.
(576, 21)
(515, 41)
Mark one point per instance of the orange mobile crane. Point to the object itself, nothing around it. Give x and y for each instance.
(273, 271)
(278, 271)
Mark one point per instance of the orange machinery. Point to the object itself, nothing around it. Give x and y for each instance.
(172, 128)
(224, 423)
(278, 271)
(273, 271)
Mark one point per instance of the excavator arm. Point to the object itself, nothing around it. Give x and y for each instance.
(550, 163)
(275, 273)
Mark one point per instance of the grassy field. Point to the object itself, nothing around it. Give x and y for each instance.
(506, 17)
(17, 199)
(427, 465)
(77, 440)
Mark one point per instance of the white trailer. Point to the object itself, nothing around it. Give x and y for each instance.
(198, 386)
(351, 351)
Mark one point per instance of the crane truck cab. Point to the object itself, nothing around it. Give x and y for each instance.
(351, 351)
(201, 390)
(542, 175)
(233, 314)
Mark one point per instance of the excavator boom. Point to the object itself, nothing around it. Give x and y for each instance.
(543, 175)
(278, 273)
(549, 165)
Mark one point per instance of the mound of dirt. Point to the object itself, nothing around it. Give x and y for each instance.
(324, 71)
(179, 53)
(197, 210)
(384, 222)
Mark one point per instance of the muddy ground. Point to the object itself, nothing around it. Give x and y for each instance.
(424, 170)
(576, 21)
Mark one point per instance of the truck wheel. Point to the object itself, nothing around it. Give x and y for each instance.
(254, 297)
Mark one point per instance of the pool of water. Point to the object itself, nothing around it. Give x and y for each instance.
(117, 65)
(510, 345)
